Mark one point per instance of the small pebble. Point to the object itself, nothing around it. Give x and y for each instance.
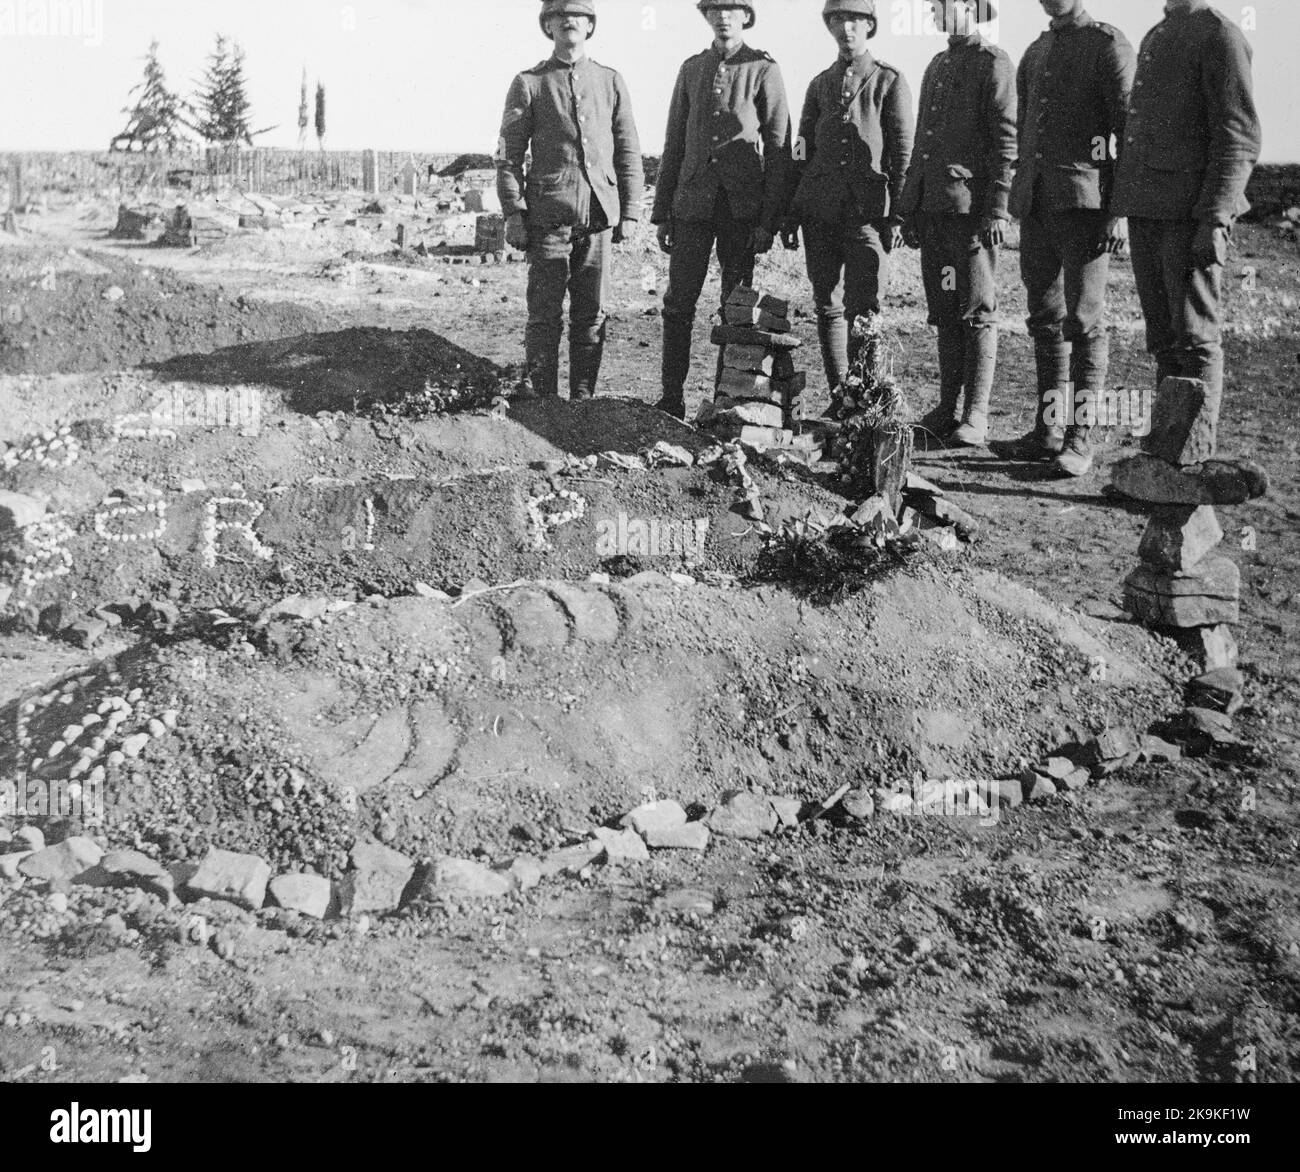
(57, 903)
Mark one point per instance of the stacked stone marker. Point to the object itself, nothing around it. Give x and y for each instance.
(758, 392)
(1180, 583)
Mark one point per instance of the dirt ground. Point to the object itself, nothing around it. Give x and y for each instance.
(1146, 928)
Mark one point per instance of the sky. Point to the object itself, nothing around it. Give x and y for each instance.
(432, 75)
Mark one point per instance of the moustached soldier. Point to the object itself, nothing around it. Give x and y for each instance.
(581, 195)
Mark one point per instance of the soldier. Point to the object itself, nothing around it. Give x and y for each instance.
(1073, 87)
(583, 193)
(723, 178)
(955, 204)
(1190, 144)
(851, 155)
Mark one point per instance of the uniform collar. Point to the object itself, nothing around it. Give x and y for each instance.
(727, 57)
(1071, 20)
(861, 65)
(966, 41)
(556, 63)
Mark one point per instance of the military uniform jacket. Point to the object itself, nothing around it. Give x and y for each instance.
(728, 130)
(1193, 136)
(854, 144)
(1072, 89)
(577, 120)
(965, 134)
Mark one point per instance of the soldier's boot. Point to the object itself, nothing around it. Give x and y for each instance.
(1076, 459)
(981, 365)
(1047, 437)
(833, 334)
(936, 426)
(676, 366)
(584, 369)
(542, 358)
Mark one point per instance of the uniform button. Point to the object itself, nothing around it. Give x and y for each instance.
(1129, 140)
(929, 134)
(925, 158)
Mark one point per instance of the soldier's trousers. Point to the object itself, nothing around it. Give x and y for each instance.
(1065, 269)
(688, 268)
(848, 266)
(573, 261)
(1181, 303)
(959, 272)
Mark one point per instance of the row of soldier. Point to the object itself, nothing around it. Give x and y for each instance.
(1093, 148)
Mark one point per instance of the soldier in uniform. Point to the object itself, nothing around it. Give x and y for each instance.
(582, 193)
(723, 178)
(1073, 87)
(955, 203)
(850, 160)
(1191, 142)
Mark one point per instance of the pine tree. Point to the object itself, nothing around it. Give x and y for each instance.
(303, 114)
(223, 99)
(320, 114)
(158, 118)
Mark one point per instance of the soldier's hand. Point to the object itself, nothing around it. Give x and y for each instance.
(763, 241)
(1116, 239)
(993, 231)
(665, 235)
(517, 233)
(624, 231)
(912, 232)
(790, 238)
(1209, 246)
(897, 237)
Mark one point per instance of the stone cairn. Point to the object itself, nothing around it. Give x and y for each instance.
(1182, 584)
(758, 396)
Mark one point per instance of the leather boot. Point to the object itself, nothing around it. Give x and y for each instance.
(584, 369)
(1076, 458)
(936, 426)
(981, 365)
(833, 334)
(542, 358)
(676, 366)
(1047, 437)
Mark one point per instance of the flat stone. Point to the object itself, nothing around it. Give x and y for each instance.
(10, 866)
(687, 900)
(67, 862)
(729, 335)
(787, 811)
(306, 894)
(1058, 768)
(1211, 647)
(1076, 779)
(1010, 793)
(1160, 751)
(1204, 728)
(17, 512)
(746, 414)
(29, 838)
(1179, 537)
(234, 878)
(571, 860)
(1220, 690)
(466, 879)
(1206, 598)
(743, 815)
(133, 869)
(1040, 790)
(622, 846)
(525, 873)
(693, 836)
(859, 804)
(87, 632)
(1216, 482)
(1184, 422)
(655, 816)
(378, 877)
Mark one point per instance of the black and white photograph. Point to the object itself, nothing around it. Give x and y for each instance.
(679, 542)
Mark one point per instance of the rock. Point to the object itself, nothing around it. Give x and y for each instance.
(1211, 647)
(920, 486)
(859, 804)
(693, 836)
(1203, 729)
(687, 900)
(1160, 751)
(29, 838)
(87, 632)
(1179, 537)
(1206, 598)
(234, 878)
(743, 815)
(622, 846)
(655, 816)
(1115, 744)
(16, 513)
(1041, 790)
(787, 811)
(945, 512)
(648, 578)
(466, 879)
(1058, 768)
(1216, 482)
(133, 746)
(1220, 690)
(571, 860)
(67, 862)
(525, 872)
(114, 293)
(309, 895)
(1010, 793)
(10, 866)
(133, 869)
(297, 607)
(377, 878)
(1184, 422)
(1077, 778)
